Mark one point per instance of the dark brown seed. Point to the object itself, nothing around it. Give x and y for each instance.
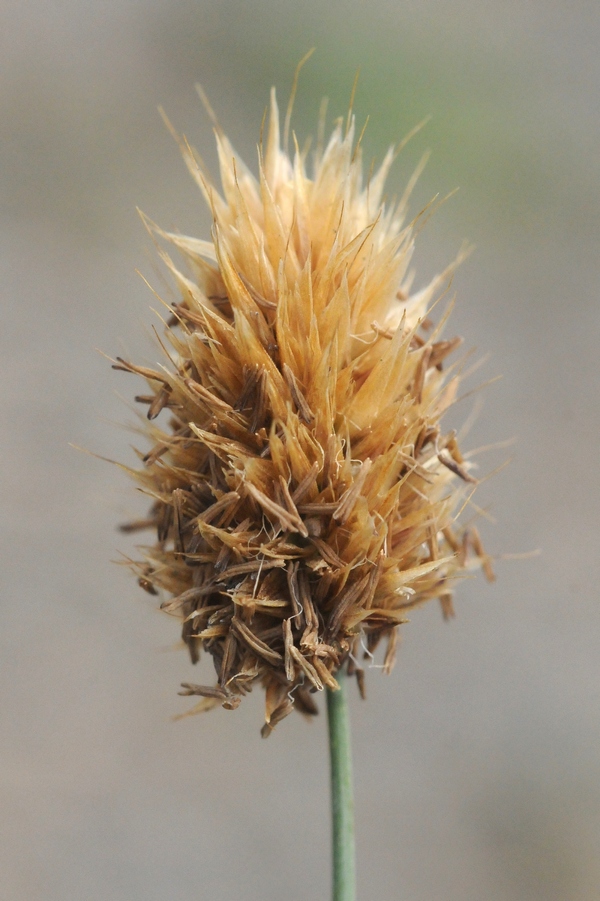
(441, 350)
(306, 483)
(254, 643)
(344, 602)
(159, 402)
(288, 521)
(137, 525)
(327, 553)
(350, 496)
(205, 691)
(304, 410)
(307, 668)
(420, 374)
(445, 458)
(248, 388)
(140, 370)
(258, 299)
(229, 654)
(292, 582)
(147, 585)
(305, 703)
(259, 407)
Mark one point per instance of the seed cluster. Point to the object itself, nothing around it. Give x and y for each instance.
(304, 492)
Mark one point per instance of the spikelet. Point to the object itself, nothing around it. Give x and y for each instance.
(304, 490)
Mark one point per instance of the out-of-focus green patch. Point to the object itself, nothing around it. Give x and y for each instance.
(481, 140)
(489, 135)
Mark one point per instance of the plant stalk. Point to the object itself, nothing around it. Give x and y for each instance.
(342, 793)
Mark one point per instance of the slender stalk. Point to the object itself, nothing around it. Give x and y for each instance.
(342, 794)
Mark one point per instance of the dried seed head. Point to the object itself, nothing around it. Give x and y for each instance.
(304, 496)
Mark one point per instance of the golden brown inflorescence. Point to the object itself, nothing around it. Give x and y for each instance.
(304, 493)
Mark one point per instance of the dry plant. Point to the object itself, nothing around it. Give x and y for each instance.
(305, 494)
(304, 491)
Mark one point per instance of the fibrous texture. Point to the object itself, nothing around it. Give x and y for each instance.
(304, 492)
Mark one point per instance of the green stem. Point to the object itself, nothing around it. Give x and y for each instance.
(342, 795)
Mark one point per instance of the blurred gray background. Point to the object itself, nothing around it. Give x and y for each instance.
(478, 761)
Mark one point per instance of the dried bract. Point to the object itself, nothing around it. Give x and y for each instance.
(304, 492)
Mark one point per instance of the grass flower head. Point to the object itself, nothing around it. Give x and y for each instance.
(304, 490)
